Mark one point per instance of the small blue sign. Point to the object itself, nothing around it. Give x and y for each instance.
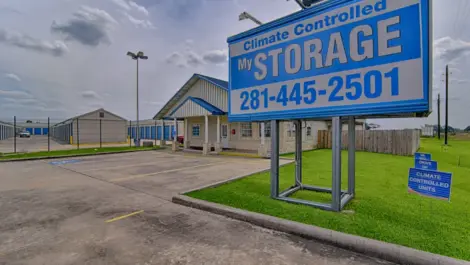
(423, 156)
(425, 164)
(63, 162)
(429, 183)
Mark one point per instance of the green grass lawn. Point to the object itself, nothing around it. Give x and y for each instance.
(74, 152)
(383, 209)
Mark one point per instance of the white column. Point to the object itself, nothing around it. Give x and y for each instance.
(162, 141)
(263, 149)
(206, 129)
(186, 133)
(205, 147)
(174, 146)
(263, 138)
(218, 129)
(218, 146)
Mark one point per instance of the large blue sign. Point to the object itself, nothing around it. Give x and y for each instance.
(339, 58)
(430, 183)
(425, 164)
(423, 156)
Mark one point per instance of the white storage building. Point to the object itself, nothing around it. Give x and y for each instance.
(91, 128)
(6, 130)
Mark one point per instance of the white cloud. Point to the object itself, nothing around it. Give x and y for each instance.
(122, 3)
(450, 49)
(89, 26)
(138, 23)
(216, 56)
(139, 8)
(24, 41)
(174, 58)
(13, 77)
(14, 94)
(193, 59)
(90, 94)
(128, 5)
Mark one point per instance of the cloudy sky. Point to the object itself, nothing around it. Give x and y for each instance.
(60, 58)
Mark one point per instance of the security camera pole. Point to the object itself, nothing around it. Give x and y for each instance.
(307, 3)
(137, 56)
(246, 15)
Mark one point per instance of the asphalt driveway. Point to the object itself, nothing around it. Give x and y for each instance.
(116, 209)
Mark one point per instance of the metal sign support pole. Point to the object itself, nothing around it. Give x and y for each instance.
(336, 165)
(298, 153)
(352, 156)
(274, 159)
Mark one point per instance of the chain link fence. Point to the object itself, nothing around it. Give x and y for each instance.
(19, 135)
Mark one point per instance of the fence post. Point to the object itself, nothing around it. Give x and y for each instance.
(78, 135)
(48, 134)
(14, 132)
(101, 139)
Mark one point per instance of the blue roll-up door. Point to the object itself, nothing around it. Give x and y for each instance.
(37, 131)
(167, 133)
(129, 131)
(133, 132)
(45, 131)
(147, 133)
(159, 132)
(30, 130)
(142, 132)
(153, 132)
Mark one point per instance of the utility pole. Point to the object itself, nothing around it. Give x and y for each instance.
(447, 105)
(439, 116)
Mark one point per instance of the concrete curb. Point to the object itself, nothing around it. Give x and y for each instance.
(222, 182)
(70, 156)
(369, 247)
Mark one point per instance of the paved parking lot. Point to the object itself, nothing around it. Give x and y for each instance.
(116, 209)
(33, 144)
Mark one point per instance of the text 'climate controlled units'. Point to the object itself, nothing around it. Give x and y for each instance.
(352, 57)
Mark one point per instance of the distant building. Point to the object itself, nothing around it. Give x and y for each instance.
(6, 130)
(91, 128)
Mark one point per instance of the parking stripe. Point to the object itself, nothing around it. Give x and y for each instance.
(124, 216)
(163, 172)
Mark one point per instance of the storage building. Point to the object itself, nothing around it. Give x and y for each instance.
(92, 128)
(38, 128)
(153, 129)
(6, 130)
(202, 103)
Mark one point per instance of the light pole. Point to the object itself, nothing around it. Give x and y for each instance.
(136, 57)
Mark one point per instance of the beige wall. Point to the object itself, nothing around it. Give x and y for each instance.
(112, 131)
(236, 141)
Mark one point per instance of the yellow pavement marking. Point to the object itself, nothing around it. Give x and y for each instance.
(163, 172)
(124, 216)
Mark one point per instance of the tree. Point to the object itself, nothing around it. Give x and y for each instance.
(29, 121)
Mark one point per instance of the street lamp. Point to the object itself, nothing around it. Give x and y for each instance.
(246, 15)
(136, 57)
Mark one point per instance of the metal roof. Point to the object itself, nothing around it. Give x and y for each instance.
(185, 88)
(88, 113)
(204, 104)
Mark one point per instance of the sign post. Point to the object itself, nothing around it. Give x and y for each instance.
(340, 59)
